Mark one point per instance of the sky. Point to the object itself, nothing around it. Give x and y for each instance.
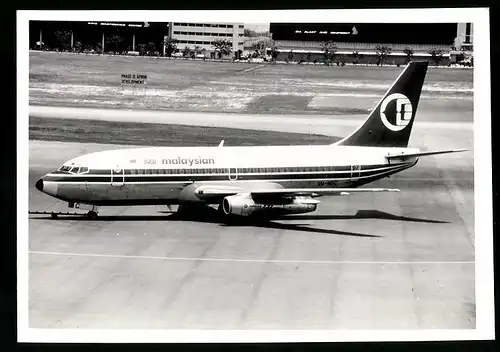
(258, 27)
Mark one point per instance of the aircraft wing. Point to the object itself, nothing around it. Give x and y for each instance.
(218, 191)
(404, 155)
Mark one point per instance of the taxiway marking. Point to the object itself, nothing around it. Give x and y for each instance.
(276, 261)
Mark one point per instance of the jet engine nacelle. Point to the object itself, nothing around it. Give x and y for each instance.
(244, 205)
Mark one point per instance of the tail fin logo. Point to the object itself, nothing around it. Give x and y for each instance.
(404, 112)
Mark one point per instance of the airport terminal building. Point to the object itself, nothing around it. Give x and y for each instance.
(131, 37)
(90, 35)
(204, 34)
(303, 41)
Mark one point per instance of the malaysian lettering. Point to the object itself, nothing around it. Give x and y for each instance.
(188, 161)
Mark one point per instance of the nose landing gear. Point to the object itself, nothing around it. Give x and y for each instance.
(92, 209)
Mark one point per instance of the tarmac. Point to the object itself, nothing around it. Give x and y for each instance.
(369, 261)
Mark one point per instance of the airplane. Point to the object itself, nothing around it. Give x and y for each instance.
(244, 180)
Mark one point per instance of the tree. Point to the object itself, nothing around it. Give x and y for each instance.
(249, 33)
(142, 49)
(114, 43)
(78, 47)
(237, 54)
(63, 37)
(382, 52)
(98, 48)
(150, 48)
(355, 55)
(259, 49)
(186, 52)
(329, 49)
(436, 55)
(197, 49)
(274, 52)
(223, 47)
(170, 45)
(409, 54)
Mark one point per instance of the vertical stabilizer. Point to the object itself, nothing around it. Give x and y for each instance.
(390, 122)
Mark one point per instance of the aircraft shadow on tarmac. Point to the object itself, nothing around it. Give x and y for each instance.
(210, 215)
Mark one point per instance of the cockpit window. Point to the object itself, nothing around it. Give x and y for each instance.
(74, 169)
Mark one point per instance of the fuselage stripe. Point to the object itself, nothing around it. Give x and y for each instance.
(159, 177)
(150, 179)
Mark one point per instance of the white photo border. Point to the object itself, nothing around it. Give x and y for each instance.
(485, 329)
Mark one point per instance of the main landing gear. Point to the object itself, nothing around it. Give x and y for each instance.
(92, 214)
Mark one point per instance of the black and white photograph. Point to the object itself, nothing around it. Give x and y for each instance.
(204, 177)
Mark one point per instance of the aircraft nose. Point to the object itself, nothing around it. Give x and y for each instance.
(39, 185)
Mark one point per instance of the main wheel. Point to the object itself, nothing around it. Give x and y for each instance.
(92, 215)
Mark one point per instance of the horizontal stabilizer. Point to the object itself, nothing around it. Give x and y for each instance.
(404, 155)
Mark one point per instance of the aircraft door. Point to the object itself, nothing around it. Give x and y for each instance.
(233, 173)
(117, 177)
(355, 172)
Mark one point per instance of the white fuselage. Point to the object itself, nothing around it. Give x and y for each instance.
(158, 175)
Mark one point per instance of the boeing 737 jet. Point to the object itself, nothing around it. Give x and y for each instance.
(251, 180)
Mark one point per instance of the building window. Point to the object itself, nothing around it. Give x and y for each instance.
(467, 32)
(241, 26)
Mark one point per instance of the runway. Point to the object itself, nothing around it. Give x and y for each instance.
(370, 261)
